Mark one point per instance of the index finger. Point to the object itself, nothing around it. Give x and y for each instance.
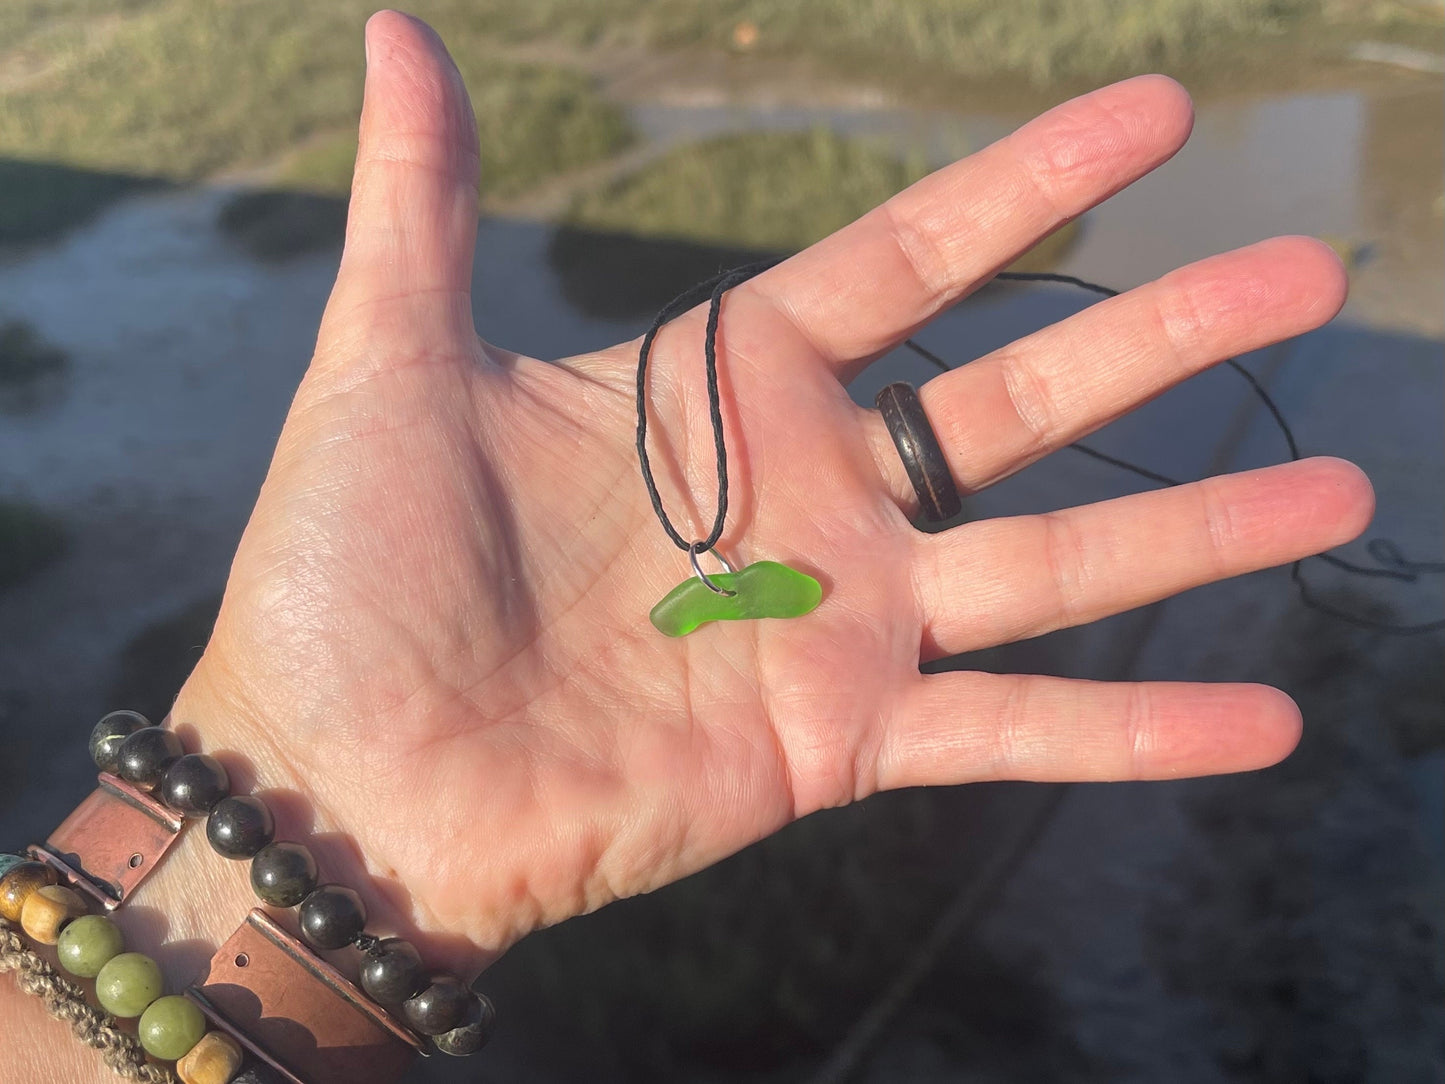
(865, 288)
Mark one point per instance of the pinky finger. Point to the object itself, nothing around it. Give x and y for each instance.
(968, 727)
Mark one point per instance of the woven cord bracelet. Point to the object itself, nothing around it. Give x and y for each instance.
(66, 1001)
(127, 985)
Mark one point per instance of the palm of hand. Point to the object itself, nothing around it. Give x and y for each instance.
(458, 605)
(438, 616)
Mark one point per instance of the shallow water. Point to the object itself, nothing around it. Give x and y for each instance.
(185, 352)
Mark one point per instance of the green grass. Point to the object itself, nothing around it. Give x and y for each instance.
(627, 247)
(763, 190)
(182, 89)
(1040, 41)
(533, 122)
(731, 199)
(29, 540)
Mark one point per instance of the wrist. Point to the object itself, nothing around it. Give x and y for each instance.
(218, 713)
(346, 918)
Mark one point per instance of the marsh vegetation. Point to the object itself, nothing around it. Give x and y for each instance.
(136, 91)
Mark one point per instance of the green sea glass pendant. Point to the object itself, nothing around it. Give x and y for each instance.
(762, 589)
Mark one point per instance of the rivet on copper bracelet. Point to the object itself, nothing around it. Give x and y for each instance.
(111, 841)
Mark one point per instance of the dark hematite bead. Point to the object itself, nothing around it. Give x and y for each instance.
(146, 754)
(331, 917)
(240, 826)
(283, 874)
(106, 738)
(257, 1072)
(392, 972)
(194, 784)
(473, 1032)
(438, 1008)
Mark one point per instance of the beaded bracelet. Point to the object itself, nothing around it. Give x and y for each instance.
(127, 985)
(120, 833)
(299, 1019)
(284, 874)
(67, 1002)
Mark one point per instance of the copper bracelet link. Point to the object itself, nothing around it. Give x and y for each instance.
(285, 1005)
(111, 841)
(297, 1013)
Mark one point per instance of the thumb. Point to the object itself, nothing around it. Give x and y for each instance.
(412, 226)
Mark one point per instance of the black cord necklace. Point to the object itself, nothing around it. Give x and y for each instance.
(762, 589)
(770, 589)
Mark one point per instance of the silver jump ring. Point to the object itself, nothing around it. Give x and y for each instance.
(700, 547)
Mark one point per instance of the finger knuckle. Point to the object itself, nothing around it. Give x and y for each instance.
(1065, 556)
(1138, 732)
(1032, 401)
(1062, 168)
(923, 254)
(1222, 529)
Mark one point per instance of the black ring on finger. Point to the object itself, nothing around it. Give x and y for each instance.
(919, 449)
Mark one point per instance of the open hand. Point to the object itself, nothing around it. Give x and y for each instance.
(436, 624)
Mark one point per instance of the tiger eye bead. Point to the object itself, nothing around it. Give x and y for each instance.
(146, 754)
(438, 1008)
(392, 971)
(19, 882)
(9, 862)
(127, 984)
(240, 826)
(170, 1027)
(331, 917)
(472, 1033)
(283, 874)
(216, 1059)
(48, 910)
(89, 943)
(109, 733)
(194, 784)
